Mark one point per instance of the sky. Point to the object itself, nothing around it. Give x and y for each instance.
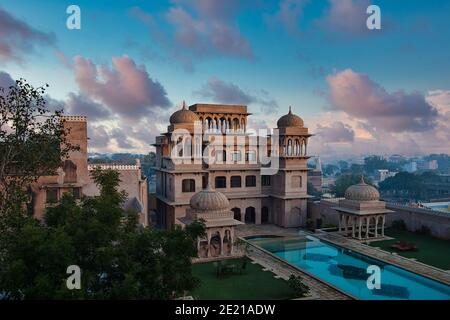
(133, 62)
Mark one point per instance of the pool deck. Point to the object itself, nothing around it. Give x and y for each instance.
(321, 290)
(318, 289)
(392, 258)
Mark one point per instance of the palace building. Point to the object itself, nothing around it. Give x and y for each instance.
(211, 142)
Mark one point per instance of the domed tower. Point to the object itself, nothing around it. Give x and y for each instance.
(290, 183)
(213, 208)
(361, 214)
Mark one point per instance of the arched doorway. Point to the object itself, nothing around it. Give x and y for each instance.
(237, 213)
(215, 245)
(250, 215)
(264, 215)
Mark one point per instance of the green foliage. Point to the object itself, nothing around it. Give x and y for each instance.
(373, 163)
(346, 180)
(424, 230)
(297, 285)
(118, 258)
(310, 224)
(330, 169)
(32, 142)
(409, 185)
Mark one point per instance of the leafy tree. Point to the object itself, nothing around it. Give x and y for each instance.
(330, 169)
(346, 180)
(32, 142)
(373, 163)
(297, 285)
(343, 165)
(118, 259)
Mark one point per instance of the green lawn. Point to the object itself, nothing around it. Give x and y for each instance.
(431, 251)
(253, 283)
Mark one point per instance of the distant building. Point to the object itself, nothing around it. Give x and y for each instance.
(383, 174)
(396, 158)
(410, 167)
(74, 177)
(315, 175)
(427, 165)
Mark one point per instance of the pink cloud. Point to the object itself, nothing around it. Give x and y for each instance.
(127, 89)
(346, 17)
(198, 29)
(360, 97)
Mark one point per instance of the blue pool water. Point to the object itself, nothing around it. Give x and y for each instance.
(346, 270)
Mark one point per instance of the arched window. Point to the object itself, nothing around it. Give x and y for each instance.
(221, 182)
(236, 182)
(250, 181)
(236, 213)
(250, 215)
(188, 185)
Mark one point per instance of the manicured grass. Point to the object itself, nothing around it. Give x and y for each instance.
(253, 283)
(431, 251)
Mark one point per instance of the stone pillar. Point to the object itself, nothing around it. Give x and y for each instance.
(340, 218)
(346, 224)
(353, 227)
(359, 227)
(221, 242)
(209, 244)
(382, 226)
(376, 226)
(367, 227)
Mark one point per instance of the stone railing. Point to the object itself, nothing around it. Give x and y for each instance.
(120, 167)
(74, 118)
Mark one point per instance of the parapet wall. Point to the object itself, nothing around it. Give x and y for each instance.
(414, 218)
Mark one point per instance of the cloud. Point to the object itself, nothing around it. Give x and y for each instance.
(198, 29)
(127, 89)
(99, 138)
(346, 17)
(228, 92)
(77, 104)
(224, 92)
(288, 15)
(18, 39)
(360, 97)
(336, 132)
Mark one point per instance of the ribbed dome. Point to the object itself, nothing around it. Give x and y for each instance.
(289, 120)
(183, 116)
(362, 192)
(209, 199)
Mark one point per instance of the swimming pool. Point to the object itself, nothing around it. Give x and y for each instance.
(347, 270)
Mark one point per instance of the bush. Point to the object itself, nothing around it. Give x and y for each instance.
(399, 225)
(297, 285)
(310, 224)
(424, 230)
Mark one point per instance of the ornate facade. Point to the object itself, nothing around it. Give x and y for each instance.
(212, 140)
